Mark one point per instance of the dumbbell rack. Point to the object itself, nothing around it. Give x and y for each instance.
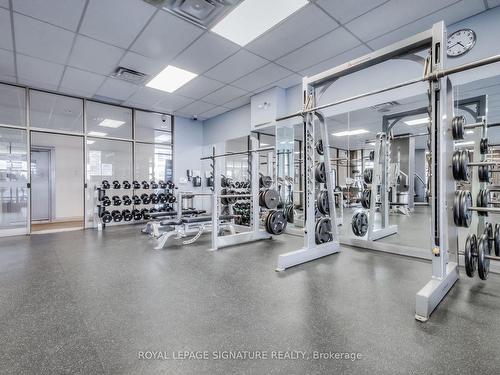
(99, 208)
(229, 187)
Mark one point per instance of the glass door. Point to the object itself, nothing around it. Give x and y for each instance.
(13, 181)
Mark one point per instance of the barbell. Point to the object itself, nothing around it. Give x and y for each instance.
(462, 207)
(477, 253)
(458, 126)
(460, 167)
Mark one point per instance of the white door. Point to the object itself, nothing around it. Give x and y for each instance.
(40, 185)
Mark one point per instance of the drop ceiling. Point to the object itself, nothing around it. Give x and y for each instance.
(75, 46)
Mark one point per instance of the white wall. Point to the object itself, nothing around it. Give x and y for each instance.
(229, 125)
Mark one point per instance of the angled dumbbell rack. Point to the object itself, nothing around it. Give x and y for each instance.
(100, 192)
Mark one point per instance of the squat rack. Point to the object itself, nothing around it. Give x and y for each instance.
(444, 236)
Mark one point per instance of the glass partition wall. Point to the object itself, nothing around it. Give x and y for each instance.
(70, 145)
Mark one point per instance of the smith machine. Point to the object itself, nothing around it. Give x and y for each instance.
(444, 234)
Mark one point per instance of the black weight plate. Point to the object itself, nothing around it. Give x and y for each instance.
(457, 126)
(320, 172)
(290, 213)
(470, 255)
(323, 230)
(485, 201)
(366, 198)
(368, 175)
(270, 199)
(488, 230)
(106, 218)
(359, 224)
(265, 182)
(372, 155)
(483, 146)
(464, 165)
(353, 224)
(231, 200)
(483, 264)
(455, 166)
(276, 222)
(322, 202)
(467, 213)
(496, 240)
(456, 209)
(319, 147)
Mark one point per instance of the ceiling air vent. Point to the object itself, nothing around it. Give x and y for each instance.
(385, 107)
(203, 13)
(129, 75)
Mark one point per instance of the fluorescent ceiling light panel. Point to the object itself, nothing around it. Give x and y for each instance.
(89, 142)
(254, 17)
(163, 138)
(109, 123)
(97, 134)
(170, 79)
(350, 132)
(418, 121)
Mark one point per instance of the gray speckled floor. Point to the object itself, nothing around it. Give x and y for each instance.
(87, 303)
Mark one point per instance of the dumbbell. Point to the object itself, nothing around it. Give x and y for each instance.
(116, 200)
(106, 217)
(162, 184)
(153, 185)
(171, 198)
(162, 198)
(145, 198)
(105, 184)
(237, 184)
(137, 214)
(126, 185)
(170, 185)
(127, 215)
(136, 199)
(116, 184)
(126, 200)
(154, 198)
(106, 201)
(145, 214)
(145, 184)
(116, 215)
(136, 185)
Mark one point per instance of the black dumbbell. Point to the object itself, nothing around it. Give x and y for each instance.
(116, 215)
(162, 198)
(116, 200)
(116, 184)
(137, 214)
(136, 185)
(126, 185)
(145, 198)
(145, 184)
(106, 217)
(136, 199)
(153, 185)
(145, 213)
(126, 200)
(162, 184)
(105, 184)
(106, 201)
(170, 185)
(127, 215)
(154, 198)
(171, 198)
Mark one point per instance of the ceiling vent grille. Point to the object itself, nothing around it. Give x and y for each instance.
(130, 75)
(203, 13)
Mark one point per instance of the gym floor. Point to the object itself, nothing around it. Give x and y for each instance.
(89, 302)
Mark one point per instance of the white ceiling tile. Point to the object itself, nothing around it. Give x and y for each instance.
(79, 81)
(305, 25)
(116, 22)
(196, 108)
(214, 112)
(148, 97)
(95, 56)
(5, 30)
(224, 95)
(171, 103)
(199, 87)
(346, 10)
(142, 64)
(165, 36)
(7, 68)
(45, 73)
(330, 45)
(336, 61)
(262, 77)
(291, 80)
(62, 13)
(451, 14)
(117, 89)
(238, 102)
(39, 39)
(4, 3)
(236, 66)
(205, 53)
(393, 14)
(7, 78)
(493, 3)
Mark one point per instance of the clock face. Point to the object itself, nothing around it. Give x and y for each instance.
(460, 42)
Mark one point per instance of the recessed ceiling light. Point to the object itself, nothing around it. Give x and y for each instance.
(418, 121)
(109, 123)
(254, 17)
(162, 138)
(464, 143)
(97, 134)
(89, 142)
(170, 79)
(350, 132)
